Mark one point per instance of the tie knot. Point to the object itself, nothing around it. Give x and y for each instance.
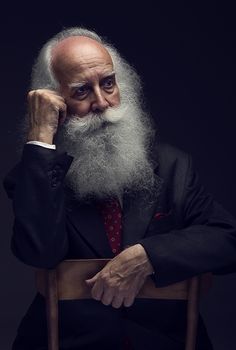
(109, 204)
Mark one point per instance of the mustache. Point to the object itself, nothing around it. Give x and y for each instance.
(93, 121)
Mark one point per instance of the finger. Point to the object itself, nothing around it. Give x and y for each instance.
(31, 102)
(117, 301)
(107, 296)
(130, 297)
(92, 280)
(97, 290)
(57, 99)
(90, 283)
(50, 91)
(128, 301)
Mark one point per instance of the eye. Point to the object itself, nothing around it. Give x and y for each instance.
(108, 83)
(81, 92)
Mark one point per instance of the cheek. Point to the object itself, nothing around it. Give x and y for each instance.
(115, 99)
(79, 108)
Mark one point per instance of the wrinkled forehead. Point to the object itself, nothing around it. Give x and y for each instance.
(79, 51)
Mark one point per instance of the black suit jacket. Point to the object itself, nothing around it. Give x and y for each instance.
(183, 230)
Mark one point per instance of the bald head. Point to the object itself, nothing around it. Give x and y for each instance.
(76, 52)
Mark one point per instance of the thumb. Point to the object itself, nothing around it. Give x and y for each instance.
(91, 281)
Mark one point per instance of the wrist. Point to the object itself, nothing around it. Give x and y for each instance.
(148, 268)
(40, 135)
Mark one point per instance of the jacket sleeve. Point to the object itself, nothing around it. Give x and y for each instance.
(206, 241)
(36, 189)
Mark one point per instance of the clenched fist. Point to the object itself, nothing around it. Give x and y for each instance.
(45, 107)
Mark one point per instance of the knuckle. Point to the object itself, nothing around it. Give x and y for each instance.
(105, 302)
(123, 290)
(30, 94)
(44, 94)
(128, 303)
(63, 107)
(116, 304)
(105, 278)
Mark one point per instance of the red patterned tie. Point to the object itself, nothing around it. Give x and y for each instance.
(112, 218)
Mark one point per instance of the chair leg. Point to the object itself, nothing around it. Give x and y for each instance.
(192, 313)
(52, 310)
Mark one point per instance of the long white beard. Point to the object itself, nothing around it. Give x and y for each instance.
(110, 152)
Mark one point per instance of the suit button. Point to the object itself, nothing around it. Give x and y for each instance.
(54, 182)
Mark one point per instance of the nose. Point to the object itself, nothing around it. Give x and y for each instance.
(99, 103)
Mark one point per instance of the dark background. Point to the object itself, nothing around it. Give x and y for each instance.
(185, 55)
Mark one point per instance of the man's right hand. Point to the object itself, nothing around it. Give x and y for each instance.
(45, 106)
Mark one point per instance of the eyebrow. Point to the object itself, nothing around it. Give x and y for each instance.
(82, 83)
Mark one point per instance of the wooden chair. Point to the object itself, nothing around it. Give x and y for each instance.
(67, 282)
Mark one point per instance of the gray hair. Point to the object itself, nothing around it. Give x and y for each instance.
(43, 77)
(128, 163)
(127, 79)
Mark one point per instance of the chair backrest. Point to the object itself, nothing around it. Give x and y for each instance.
(67, 282)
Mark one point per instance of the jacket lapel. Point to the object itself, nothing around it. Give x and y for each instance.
(138, 210)
(89, 223)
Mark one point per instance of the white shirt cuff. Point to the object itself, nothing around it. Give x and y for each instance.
(42, 144)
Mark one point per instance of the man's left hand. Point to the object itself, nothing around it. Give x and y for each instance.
(119, 282)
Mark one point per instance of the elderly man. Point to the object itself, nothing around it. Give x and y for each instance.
(94, 183)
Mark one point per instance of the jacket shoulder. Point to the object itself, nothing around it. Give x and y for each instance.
(173, 167)
(169, 157)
